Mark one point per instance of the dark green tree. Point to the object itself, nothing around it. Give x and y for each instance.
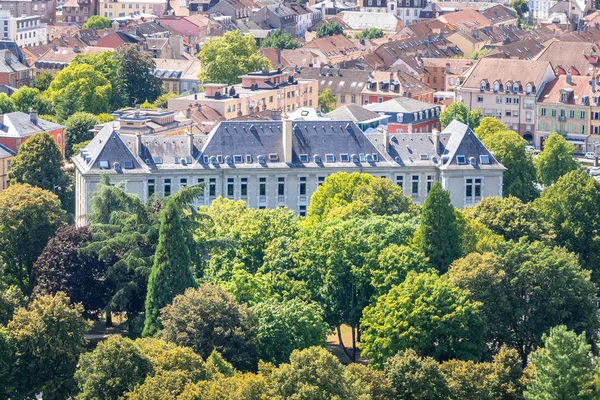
(438, 235)
(171, 273)
(136, 71)
(460, 112)
(42, 81)
(555, 160)
(67, 103)
(416, 378)
(369, 33)
(7, 363)
(78, 128)
(281, 40)
(329, 28)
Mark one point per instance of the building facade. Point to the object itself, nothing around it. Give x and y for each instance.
(405, 115)
(17, 127)
(6, 156)
(25, 31)
(124, 8)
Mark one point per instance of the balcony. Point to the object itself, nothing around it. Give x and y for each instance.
(562, 118)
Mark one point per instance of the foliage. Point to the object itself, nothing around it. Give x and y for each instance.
(42, 80)
(281, 40)
(208, 319)
(111, 370)
(246, 386)
(460, 112)
(509, 149)
(394, 263)
(108, 65)
(163, 385)
(479, 54)
(104, 118)
(11, 298)
(564, 367)
(327, 101)
(76, 148)
(26, 98)
(488, 127)
(136, 72)
(329, 28)
(7, 104)
(163, 100)
(48, 338)
(171, 273)
(29, 216)
(415, 378)
(438, 232)
(7, 360)
(369, 33)
(283, 326)
(520, 6)
(426, 313)
(170, 357)
(96, 22)
(78, 128)
(555, 160)
(526, 289)
(225, 58)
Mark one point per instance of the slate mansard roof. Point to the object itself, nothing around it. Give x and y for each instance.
(258, 145)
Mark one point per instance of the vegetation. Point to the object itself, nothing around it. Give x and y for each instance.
(78, 128)
(281, 40)
(459, 111)
(369, 33)
(555, 160)
(329, 28)
(327, 101)
(96, 22)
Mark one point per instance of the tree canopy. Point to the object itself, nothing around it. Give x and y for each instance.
(78, 128)
(369, 33)
(460, 112)
(327, 101)
(96, 22)
(555, 160)
(329, 28)
(281, 40)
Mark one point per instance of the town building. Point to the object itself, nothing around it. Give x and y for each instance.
(46, 9)
(406, 115)
(272, 164)
(346, 85)
(78, 10)
(178, 76)
(139, 121)
(17, 127)
(26, 31)
(6, 156)
(122, 8)
(58, 58)
(574, 58)
(443, 74)
(13, 73)
(259, 91)
(365, 119)
(336, 49)
(383, 86)
(306, 17)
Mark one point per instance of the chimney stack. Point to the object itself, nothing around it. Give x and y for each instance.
(138, 143)
(188, 113)
(436, 140)
(190, 138)
(287, 132)
(33, 115)
(7, 57)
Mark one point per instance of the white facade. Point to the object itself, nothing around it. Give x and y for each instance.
(539, 9)
(25, 31)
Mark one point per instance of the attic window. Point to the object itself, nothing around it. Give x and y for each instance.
(273, 157)
(104, 164)
(248, 158)
(220, 159)
(362, 157)
(375, 157)
(157, 160)
(461, 159)
(344, 158)
(128, 164)
(484, 159)
(423, 157)
(304, 158)
(176, 160)
(330, 158)
(238, 159)
(187, 160)
(205, 159)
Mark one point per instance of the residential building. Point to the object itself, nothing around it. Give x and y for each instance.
(575, 10)
(6, 156)
(46, 9)
(118, 39)
(575, 58)
(13, 73)
(26, 31)
(272, 164)
(465, 20)
(358, 21)
(507, 90)
(501, 15)
(564, 107)
(122, 8)
(406, 115)
(58, 58)
(306, 17)
(336, 49)
(276, 16)
(346, 85)
(540, 9)
(470, 42)
(366, 120)
(409, 11)
(78, 10)
(526, 49)
(259, 91)
(178, 76)
(383, 86)
(297, 58)
(236, 9)
(443, 74)
(17, 127)
(153, 122)
(377, 6)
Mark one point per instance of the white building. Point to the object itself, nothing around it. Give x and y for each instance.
(272, 164)
(540, 9)
(26, 31)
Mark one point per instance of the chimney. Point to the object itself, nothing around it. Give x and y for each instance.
(1, 120)
(190, 138)
(287, 132)
(33, 115)
(386, 140)
(436, 140)
(138, 143)
(569, 79)
(188, 113)
(279, 57)
(7, 57)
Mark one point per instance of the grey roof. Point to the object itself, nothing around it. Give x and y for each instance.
(400, 104)
(14, 66)
(19, 125)
(353, 112)
(348, 81)
(6, 152)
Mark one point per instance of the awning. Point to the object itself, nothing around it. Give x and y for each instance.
(576, 141)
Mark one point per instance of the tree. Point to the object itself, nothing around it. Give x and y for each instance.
(373, 383)
(525, 289)
(115, 367)
(284, 326)
(63, 267)
(281, 40)
(426, 313)
(7, 361)
(394, 263)
(67, 103)
(460, 112)
(42, 80)
(76, 148)
(327, 101)
(39, 163)
(329, 28)
(438, 233)
(163, 385)
(108, 65)
(171, 273)
(224, 59)
(96, 22)
(570, 206)
(555, 160)
(512, 219)
(6, 104)
(509, 149)
(26, 98)
(170, 357)
(370, 33)
(136, 70)
(208, 319)
(48, 338)
(488, 127)
(78, 128)
(29, 216)
(163, 100)
(415, 378)
(520, 6)
(228, 387)
(564, 367)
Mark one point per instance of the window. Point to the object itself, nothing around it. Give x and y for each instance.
(151, 187)
(415, 185)
(516, 100)
(244, 187)
(303, 158)
(342, 98)
(212, 187)
(429, 182)
(302, 211)
(484, 159)
(262, 187)
(104, 164)
(362, 157)
(330, 158)
(581, 114)
(480, 99)
(344, 158)
(183, 182)
(249, 159)
(281, 186)
(167, 187)
(230, 188)
(400, 180)
(472, 190)
(320, 180)
(508, 113)
(498, 100)
(461, 159)
(353, 99)
(273, 157)
(553, 112)
(543, 112)
(509, 100)
(302, 189)
(238, 159)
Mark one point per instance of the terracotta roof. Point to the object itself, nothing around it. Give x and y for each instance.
(522, 50)
(67, 54)
(332, 45)
(576, 91)
(466, 19)
(407, 83)
(493, 69)
(565, 56)
(452, 65)
(499, 14)
(429, 27)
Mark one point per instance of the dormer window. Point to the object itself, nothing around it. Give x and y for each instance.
(508, 86)
(483, 85)
(496, 86)
(529, 88)
(563, 96)
(400, 117)
(461, 159)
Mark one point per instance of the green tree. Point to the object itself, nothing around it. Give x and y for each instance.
(171, 273)
(7, 361)
(327, 101)
(79, 146)
(136, 70)
(488, 127)
(526, 289)
(67, 103)
(460, 112)
(29, 216)
(115, 367)
(48, 338)
(394, 263)
(208, 319)
(564, 367)
(369, 33)
(415, 378)
(509, 149)
(26, 98)
(6, 104)
(520, 6)
(281, 40)
(228, 387)
(163, 100)
(163, 385)
(170, 357)
(284, 326)
(42, 80)
(426, 313)
(104, 118)
(225, 58)
(438, 236)
(570, 206)
(108, 65)
(97, 22)
(11, 298)
(329, 28)
(78, 128)
(555, 160)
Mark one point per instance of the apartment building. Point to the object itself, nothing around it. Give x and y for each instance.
(13, 73)
(124, 8)
(259, 91)
(25, 31)
(178, 76)
(17, 127)
(406, 115)
(272, 164)
(78, 10)
(45, 9)
(345, 84)
(507, 90)
(383, 86)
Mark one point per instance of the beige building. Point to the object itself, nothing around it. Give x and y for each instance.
(6, 156)
(123, 8)
(507, 90)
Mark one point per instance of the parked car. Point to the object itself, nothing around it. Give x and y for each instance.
(529, 149)
(590, 155)
(595, 171)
